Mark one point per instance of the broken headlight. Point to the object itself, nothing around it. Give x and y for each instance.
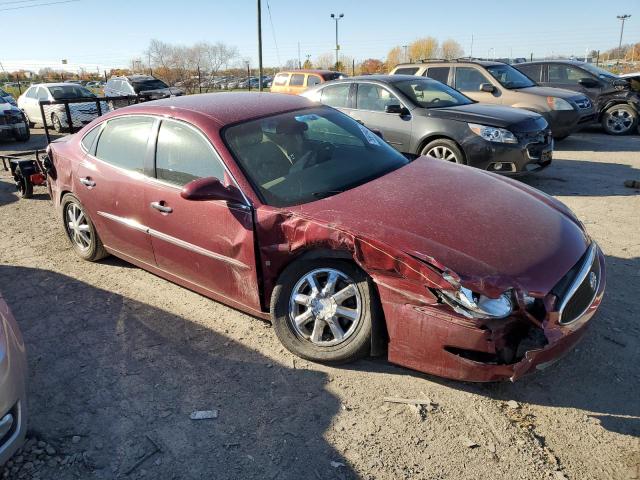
(474, 305)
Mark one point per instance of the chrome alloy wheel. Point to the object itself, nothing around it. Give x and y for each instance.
(619, 120)
(78, 227)
(443, 153)
(325, 307)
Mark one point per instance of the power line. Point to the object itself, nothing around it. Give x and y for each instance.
(38, 5)
(273, 31)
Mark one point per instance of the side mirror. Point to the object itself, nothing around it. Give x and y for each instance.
(398, 109)
(589, 83)
(487, 87)
(210, 188)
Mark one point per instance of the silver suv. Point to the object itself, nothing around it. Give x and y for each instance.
(500, 83)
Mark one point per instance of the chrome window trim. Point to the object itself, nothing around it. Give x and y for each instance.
(585, 269)
(128, 222)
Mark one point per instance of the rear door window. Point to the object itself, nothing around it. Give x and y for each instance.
(469, 79)
(440, 74)
(406, 71)
(297, 80)
(183, 155)
(123, 142)
(567, 74)
(313, 80)
(336, 95)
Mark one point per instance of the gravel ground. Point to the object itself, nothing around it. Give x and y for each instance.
(120, 358)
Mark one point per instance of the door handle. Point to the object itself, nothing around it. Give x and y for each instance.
(162, 208)
(87, 182)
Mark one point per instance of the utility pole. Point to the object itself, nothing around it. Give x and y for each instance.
(299, 58)
(259, 46)
(622, 18)
(471, 51)
(337, 17)
(406, 57)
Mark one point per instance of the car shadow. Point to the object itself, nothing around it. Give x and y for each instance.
(599, 376)
(124, 377)
(593, 139)
(584, 179)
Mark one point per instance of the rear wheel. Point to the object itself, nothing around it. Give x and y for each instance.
(24, 186)
(323, 310)
(80, 230)
(620, 120)
(444, 149)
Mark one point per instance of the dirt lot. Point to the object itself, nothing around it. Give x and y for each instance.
(119, 358)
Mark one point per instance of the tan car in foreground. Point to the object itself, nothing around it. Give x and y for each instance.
(295, 82)
(499, 83)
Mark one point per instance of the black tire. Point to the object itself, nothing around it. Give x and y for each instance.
(56, 124)
(94, 250)
(444, 144)
(24, 186)
(619, 120)
(356, 345)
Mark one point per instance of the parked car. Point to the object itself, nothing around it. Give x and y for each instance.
(13, 383)
(499, 83)
(145, 87)
(421, 116)
(7, 97)
(13, 123)
(56, 115)
(322, 227)
(616, 99)
(297, 81)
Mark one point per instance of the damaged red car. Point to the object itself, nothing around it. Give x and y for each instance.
(294, 212)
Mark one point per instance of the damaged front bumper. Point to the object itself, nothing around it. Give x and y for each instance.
(435, 340)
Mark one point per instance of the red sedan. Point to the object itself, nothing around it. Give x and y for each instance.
(294, 212)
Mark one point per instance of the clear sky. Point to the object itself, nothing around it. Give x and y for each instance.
(108, 33)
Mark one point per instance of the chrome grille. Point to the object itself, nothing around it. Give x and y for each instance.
(579, 287)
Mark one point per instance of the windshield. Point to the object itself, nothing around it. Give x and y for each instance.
(509, 77)
(306, 155)
(599, 72)
(431, 93)
(66, 92)
(151, 84)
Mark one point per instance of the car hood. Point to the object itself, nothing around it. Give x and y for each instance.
(515, 119)
(552, 92)
(494, 232)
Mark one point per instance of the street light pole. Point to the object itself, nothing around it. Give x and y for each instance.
(622, 18)
(259, 46)
(337, 17)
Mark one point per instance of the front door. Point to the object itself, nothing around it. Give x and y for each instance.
(109, 181)
(370, 109)
(207, 243)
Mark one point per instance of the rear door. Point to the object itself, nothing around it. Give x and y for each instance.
(110, 180)
(207, 243)
(371, 101)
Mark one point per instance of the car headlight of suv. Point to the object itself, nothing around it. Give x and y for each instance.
(493, 134)
(474, 305)
(556, 103)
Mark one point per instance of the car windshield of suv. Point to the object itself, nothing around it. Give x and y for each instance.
(68, 92)
(509, 77)
(305, 155)
(599, 72)
(427, 93)
(151, 84)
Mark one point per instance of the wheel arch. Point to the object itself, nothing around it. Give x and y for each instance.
(614, 102)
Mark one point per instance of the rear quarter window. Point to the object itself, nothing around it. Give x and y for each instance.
(281, 79)
(123, 142)
(406, 71)
(88, 140)
(440, 74)
(313, 80)
(336, 95)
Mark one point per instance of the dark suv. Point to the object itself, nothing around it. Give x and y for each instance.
(499, 83)
(144, 87)
(616, 99)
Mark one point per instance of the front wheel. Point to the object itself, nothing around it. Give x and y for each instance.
(323, 309)
(620, 120)
(444, 149)
(80, 230)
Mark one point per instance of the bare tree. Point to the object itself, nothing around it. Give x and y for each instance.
(451, 49)
(325, 61)
(423, 48)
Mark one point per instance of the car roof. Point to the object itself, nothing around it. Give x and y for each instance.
(484, 63)
(56, 84)
(225, 108)
(309, 70)
(570, 62)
